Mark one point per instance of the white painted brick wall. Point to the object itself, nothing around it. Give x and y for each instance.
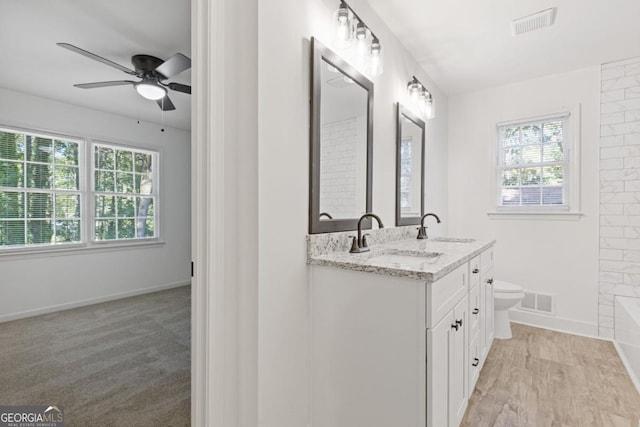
(619, 187)
(339, 154)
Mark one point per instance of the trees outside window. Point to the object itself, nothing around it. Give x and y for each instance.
(533, 163)
(40, 198)
(125, 193)
(44, 201)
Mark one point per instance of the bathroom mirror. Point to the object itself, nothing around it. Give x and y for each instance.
(341, 143)
(409, 167)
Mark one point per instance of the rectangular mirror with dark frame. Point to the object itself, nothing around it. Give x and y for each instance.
(341, 151)
(410, 169)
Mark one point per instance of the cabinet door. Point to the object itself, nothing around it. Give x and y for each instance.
(458, 369)
(474, 311)
(488, 284)
(483, 319)
(438, 348)
(473, 363)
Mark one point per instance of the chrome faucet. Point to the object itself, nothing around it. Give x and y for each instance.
(422, 230)
(359, 244)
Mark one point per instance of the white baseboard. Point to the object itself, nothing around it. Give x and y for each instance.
(90, 301)
(554, 323)
(634, 379)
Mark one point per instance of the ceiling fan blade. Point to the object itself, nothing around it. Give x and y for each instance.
(104, 84)
(174, 65)
(180, 87)
(96, 57)
(165, 104)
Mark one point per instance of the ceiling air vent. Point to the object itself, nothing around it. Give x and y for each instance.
(533, 22)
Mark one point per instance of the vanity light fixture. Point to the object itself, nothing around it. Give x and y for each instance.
(420, 98)
(357, 40)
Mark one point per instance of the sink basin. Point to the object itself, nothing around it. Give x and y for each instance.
(403, 259)
(452, 240)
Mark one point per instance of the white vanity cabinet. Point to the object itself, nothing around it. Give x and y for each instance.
(389, 350)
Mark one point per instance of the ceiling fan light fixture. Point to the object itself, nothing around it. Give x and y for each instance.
(150, 90)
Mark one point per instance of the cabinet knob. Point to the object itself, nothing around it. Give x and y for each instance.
(459, 322)
(490, 281)
(475, 271)
(455, 325)
(476, 311)
(475, 361)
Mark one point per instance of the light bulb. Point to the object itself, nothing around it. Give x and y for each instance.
(425, 105)
(150, 90)
(361, 48)
(414, 87)
(375, 58)
(343, 28)
(429, 111)
(361, 31)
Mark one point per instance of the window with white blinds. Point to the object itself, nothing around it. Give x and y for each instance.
(533, 164)
(56, 192)
(40, 189)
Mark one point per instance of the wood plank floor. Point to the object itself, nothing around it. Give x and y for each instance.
(544, 378)
(120, 363)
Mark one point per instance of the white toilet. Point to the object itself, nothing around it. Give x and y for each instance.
(505, 296)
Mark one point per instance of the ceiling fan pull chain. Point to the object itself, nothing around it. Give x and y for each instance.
(162, 110)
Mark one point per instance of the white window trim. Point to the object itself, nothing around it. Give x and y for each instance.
(86, 173)
(91, 193)
(570, 212)
(76, 249)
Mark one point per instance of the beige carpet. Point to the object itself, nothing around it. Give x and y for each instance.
(121, 363)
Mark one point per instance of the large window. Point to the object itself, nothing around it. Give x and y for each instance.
(125, 197)
(533, 164)
(40, 193)
(45, 202)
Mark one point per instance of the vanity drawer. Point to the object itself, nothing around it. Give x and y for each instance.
(474, 272)
(442, 295)
(486, 260)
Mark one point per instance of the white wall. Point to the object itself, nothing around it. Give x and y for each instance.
(619, 187)
(285, 27)
(549, 256)
(34, 284)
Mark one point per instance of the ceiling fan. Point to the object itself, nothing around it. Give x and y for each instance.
(151, 70)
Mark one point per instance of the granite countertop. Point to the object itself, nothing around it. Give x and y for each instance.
(426, 260)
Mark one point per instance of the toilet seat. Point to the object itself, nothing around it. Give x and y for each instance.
(505, 287)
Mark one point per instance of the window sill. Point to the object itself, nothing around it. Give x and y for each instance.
(77, 249)
(536, 216)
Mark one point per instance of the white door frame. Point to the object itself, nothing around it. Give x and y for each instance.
(208, 402)
(224, 205)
